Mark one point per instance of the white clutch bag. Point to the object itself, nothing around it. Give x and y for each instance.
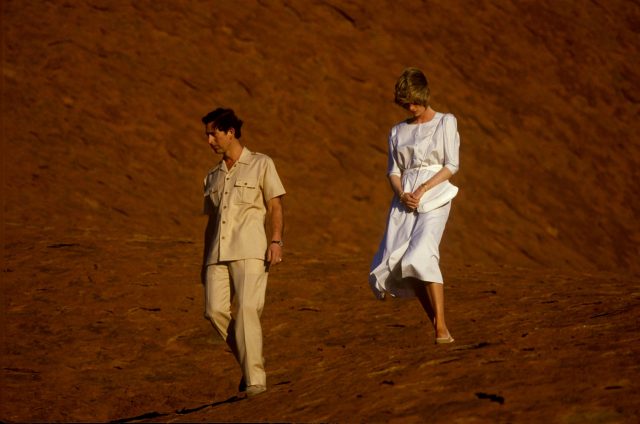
(437, 196)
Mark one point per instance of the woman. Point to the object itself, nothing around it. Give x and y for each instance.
(423, 155)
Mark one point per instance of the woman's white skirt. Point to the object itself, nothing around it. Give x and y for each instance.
(409, 248)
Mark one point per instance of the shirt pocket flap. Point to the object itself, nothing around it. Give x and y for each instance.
(246, 183)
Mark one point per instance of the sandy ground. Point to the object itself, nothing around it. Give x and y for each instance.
(103, 160)
(530, 345)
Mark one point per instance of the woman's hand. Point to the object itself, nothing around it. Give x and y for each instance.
(410, 200)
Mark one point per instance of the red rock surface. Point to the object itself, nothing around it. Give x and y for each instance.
(103, 159)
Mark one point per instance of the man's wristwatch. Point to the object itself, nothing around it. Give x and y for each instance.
(278, 242)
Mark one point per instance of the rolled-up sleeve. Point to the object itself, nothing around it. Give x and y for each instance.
(271, 184)
(206, 209)
(451, 144)
(392, 164)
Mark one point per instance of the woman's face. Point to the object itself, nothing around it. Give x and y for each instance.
(415, 110)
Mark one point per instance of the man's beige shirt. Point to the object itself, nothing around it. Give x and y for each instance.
(236, 200)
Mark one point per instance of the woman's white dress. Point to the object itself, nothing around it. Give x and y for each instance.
(410, 244)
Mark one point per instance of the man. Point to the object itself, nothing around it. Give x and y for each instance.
(241, 194)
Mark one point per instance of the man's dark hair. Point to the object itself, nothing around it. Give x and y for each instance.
(223, 120)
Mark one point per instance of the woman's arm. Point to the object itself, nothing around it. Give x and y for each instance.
(408, 199)
(396, 184)
(393, 173)
(442, 175)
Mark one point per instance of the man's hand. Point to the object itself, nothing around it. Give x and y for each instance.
(274, 254)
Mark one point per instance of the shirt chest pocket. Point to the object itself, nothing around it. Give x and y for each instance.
(246, 191)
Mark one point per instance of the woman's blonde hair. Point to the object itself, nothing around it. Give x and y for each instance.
(412, 88)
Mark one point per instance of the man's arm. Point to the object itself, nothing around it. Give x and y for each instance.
(208, 237)
(275, 221)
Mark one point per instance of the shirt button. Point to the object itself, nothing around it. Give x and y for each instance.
(226, 192)
(224, 222)
(224, 207)
(222, 237)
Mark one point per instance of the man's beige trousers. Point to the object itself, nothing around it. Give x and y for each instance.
(234, 299)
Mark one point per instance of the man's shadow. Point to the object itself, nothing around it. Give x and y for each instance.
(183, 411)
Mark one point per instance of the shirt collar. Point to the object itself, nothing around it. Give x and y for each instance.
(215, 168)
(245, 156)
(245, 159)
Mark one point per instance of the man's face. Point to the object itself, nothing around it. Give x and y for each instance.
(219, 141)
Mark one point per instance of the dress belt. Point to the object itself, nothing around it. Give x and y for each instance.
(435, 168)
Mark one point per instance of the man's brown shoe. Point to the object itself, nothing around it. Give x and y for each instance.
(256, 390)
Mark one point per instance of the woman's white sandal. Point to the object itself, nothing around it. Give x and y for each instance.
(444, 340)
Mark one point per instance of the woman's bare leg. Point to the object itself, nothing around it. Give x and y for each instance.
(425, 300)
(436, 294)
